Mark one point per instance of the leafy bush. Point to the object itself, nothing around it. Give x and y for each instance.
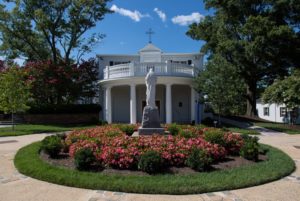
(52, 145)
(250, 149)
(128, 129)
(263, 150)
(215, 136)
(199, 160)
(102, 122)
(151, 162)
(187, 133)
(233, 143)
(200, 126)
(114, 133)
(84, 158)
(173, 129)
(65, 146)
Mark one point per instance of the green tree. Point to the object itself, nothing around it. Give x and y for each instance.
(259, 38)
(223, 87)
(47, 29)
(14, 91)
(285, 91)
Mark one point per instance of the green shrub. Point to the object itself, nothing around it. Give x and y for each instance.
(84, 158)
(250, 149)
(215, 136)
(128, 129)
(199, 160)
(113, 133)
(151, 162)
(65, 146)
(52, 145)
(102, 122)
(263, 150)
(200, 126)
(173, 129)
(186, 133)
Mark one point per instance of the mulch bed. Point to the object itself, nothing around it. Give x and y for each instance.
(228, 163)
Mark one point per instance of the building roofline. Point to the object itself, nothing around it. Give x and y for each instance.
(117, 55)
(178, 54)
(136, 55)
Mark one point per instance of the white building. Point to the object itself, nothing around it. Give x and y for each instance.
(122, 78)
(275, 112)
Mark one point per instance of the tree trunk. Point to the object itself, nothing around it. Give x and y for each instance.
(251, 100)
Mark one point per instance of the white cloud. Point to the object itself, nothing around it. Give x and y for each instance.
(161, 14)
(134, 15)
(184, 20)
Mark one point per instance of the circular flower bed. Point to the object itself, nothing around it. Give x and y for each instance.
(278, 165)
(113, 148)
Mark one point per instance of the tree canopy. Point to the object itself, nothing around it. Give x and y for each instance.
(14, 91)
(223, 87)
(47, 29)
(259, 38)
(285, 91)
(62, 84)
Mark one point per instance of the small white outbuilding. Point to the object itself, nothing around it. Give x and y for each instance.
(277, 113)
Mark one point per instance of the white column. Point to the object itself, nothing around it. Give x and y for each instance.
(168, 104)
(132, 104)
(108, 105)
(193, 104)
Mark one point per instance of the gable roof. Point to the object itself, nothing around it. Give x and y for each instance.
(150, 48)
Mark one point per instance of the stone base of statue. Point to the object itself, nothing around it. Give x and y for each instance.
(150, 122)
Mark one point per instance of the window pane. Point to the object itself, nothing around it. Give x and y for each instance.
(282, 111)
(266, 111)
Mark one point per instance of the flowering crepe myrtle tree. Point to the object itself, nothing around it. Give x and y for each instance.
(62, 83)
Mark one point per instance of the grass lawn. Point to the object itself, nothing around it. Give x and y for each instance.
(280, 127)
(242, 130)
(25, 129)
(234, 129)
(278, 165)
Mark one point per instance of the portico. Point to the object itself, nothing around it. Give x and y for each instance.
(125, 103)
(124, 91)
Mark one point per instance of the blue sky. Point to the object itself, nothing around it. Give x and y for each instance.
(125, 29)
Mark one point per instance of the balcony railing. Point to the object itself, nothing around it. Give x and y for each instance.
(141, 69)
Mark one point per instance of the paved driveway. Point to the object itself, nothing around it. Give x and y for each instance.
(17, 187)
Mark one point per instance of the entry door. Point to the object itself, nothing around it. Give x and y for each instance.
(181, 108)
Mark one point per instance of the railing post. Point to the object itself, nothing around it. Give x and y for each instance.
(169, 70)
(131, 69)
(107, 72)
(193, 70)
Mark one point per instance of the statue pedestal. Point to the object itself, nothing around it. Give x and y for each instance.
(150, 122)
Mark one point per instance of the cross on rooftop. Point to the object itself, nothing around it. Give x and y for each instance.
(150, 33)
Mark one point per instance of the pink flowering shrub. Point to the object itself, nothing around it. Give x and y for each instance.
(233, 143)
(113, 148)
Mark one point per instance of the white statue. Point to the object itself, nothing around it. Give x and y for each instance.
(150, 93)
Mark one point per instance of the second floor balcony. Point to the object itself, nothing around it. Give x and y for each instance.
(135, 69)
